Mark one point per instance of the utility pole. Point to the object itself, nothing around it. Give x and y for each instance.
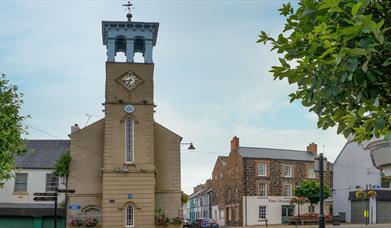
(366, 212)
(321, 212)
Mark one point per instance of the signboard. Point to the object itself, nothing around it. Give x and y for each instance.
(66, 190)
(44, 194)
(44, 198)
(130, 196)
(74, 207)
(317, 164)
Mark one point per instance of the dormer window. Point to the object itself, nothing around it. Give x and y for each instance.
(129, 141)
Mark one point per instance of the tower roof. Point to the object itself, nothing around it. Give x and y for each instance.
(129, 26)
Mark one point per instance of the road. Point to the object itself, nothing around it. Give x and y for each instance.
(311, 226)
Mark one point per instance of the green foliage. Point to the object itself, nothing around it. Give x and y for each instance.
(160, 217)
(11, 128)
(338, 53)
(310, 189)
(61, 168)
(184, 198)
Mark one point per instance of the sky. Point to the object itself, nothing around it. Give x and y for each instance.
(212, 79)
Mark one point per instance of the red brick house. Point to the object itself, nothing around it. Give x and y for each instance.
(261, 180)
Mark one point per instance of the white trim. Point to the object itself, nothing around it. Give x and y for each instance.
(290, 170)
(126, 216)
(125, 135)
(259, 164)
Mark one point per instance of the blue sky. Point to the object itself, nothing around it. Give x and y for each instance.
(211, 78)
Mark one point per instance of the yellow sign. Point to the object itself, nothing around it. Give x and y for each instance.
(366, 213)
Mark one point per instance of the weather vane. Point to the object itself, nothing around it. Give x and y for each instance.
(130, 7)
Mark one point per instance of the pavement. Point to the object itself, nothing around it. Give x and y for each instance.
(316, 226)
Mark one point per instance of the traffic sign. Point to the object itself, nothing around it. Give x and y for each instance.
(66, 190)
(45, 194)
(44, 198)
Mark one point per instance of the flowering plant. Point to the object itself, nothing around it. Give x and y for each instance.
(176, 220)
(90, 222)
(76, 222)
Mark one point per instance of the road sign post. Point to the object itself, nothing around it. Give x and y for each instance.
(52, 196)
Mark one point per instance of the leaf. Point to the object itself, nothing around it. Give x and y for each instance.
(380, 123)
(356, 8)
(358, 51)
(352, 64)
(379, 36)
(387, 62)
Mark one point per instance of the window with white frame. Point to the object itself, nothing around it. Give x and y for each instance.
(129, 140)
(262, 189)
(262, 212)
(287, 171)
(20, 182)
(262, 169)
(287, 190)
(130, 216)
(311, 172)
(51, 182)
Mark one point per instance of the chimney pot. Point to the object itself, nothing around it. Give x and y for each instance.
(75, 128)
(313, 148)
(234, 143)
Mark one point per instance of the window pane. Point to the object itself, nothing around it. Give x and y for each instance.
(21, 182)
(129, 216)
(262, 191)
(51, 182)
(262, 169)
(129, 140)
(288, 170)
(262, 212)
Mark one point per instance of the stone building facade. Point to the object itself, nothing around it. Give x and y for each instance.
(126, 165)
(250, 174)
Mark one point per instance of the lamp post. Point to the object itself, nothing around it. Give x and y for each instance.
(321, 167)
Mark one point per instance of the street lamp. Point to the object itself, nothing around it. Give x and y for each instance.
(191, 146)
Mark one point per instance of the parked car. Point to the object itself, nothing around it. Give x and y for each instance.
(186, 223)
(205, 223)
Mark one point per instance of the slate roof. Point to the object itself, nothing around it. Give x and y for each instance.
(280, 154)
(42, 154)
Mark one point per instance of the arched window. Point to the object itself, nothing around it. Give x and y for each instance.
(129, 140)
(129, 216)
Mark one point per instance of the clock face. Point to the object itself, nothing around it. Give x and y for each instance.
(129, 80)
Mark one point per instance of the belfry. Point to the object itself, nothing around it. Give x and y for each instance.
(125, 165)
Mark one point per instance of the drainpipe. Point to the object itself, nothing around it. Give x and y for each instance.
(245, 191)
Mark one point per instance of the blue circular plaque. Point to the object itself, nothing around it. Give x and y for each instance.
(129, 108)
(130, 196)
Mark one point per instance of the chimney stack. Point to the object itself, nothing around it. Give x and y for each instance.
(313, 148)
(234, 143)
(75, 128)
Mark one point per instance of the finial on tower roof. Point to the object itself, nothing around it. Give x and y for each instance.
(129, 6)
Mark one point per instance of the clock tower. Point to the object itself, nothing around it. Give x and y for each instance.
(126, 165)
(128, 158)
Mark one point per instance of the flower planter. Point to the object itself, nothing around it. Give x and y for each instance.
(169, 226)
(381, 155)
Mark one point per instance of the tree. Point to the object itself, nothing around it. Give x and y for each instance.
(11, 129)
(338, 53)
(310, 189)
(184, 198)
(61, 168)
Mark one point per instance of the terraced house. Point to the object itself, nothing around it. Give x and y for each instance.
(126, 165)
(254, 185)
